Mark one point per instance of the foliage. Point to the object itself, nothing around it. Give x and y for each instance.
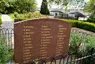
(10, 6)
(11, 54)
(82, 24)
(3, 51)
(25, 5)
(27, 16)
(3, 5)
(80, 46)
(44, 8)
(75, 43)
(91, 20)
(91, 8)
(90, 43)
(5, 54)
(0, 19)
(65, 3)
(90, 49)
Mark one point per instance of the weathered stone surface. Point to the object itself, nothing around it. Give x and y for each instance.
(40, 38)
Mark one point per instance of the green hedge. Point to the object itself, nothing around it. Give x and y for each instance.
(91, 20)
(83, 25)
(0, 20)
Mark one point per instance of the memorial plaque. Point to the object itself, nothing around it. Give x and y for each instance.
(40, 38)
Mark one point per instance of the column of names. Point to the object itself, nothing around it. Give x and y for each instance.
(27, 41)
(60, 39)
(45, 40)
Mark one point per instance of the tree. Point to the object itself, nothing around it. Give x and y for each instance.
(3, 5)
(62, 2)
(44, 8)
(25, 5)
(10, 6)
(65, 3)
(91, 8)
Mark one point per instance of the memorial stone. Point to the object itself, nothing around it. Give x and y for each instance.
(40, 38)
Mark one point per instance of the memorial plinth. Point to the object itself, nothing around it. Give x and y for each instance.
(40, 38)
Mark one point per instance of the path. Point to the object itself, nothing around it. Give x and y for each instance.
(8, 25)
(7, 22)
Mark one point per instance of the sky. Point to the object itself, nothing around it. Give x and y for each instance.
(40, 1)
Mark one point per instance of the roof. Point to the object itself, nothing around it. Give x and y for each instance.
(78, 14)
(56, 11)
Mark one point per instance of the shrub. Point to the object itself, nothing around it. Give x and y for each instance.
(84, 25)
(28, 16)
(11, 54)
(90, 49)
(16, 14)
(0, 19)
(75, 43)
(3, 50)
(3, 53)
(90, 43)
(91, 20)
(80, 47)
